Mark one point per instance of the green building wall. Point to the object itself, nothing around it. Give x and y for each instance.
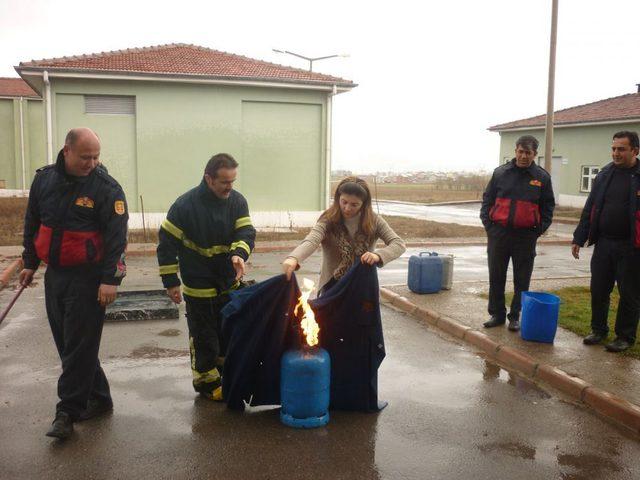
(33, 136)
(578, 146)
(276, 135)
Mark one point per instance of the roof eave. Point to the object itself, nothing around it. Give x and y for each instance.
(588, 123)
(31, 71)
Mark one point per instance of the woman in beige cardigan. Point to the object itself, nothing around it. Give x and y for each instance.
(347, 230)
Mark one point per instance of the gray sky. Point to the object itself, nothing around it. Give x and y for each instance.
(432, 75)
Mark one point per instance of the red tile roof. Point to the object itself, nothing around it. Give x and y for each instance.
(624, 107)
(185, 60)
(15, 87)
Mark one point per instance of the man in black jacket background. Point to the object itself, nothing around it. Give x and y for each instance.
(611, 220)
(76, 222)
(517, 207)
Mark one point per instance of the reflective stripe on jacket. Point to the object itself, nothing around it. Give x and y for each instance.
(198, 238)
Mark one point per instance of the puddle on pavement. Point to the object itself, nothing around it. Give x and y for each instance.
(170, 332)
(586, 466)
(493, 372)
(150, 351)
(510, 448)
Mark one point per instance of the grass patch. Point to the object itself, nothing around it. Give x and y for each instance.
(411, 228)
(421, 193)
(575, 312)
(12, 211)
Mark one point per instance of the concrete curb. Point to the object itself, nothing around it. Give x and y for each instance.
(604, 403)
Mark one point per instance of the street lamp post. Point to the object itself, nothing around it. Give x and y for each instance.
(310, 59)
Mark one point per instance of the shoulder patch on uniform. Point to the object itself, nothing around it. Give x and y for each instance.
(119, 207)
(535, 183)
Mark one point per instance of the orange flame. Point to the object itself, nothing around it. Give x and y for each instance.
(308, 322)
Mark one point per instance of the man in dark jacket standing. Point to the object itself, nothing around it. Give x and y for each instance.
(208, 236)
(611, 221)
(517, 207)
(76, 222)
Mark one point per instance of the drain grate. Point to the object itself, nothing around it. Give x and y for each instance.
(141, 305)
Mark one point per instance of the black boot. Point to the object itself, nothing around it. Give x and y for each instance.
(514, 322)
(514, 325)
(62, 426)
(494, 321)
(95, 408)
(594, 338)
(618, 345)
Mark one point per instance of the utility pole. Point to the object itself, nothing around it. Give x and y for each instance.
(548, 142)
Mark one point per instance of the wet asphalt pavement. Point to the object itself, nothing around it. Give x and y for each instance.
(470, 264)
(451, 414)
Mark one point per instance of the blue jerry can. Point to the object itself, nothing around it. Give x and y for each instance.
(425, 273)
(304, 387)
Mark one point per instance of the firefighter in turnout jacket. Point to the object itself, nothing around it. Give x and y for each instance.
(76, 222)
(517, 207)
(208, 237)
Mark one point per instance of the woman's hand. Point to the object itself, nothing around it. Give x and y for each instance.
(289, 266)
(370, 258)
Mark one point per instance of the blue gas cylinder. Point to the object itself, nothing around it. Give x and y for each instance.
(304, 387)
(425, 273)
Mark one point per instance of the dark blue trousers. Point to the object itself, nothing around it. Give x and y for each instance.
(615, 261)
(76, 319)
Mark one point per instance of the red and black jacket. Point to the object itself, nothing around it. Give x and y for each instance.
(518, 199)
(76, 222)
(587, 229)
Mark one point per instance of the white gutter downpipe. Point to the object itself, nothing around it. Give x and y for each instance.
(24, 169)
(47, 106)
(327, 192)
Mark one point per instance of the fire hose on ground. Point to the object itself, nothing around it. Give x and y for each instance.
(5, 278)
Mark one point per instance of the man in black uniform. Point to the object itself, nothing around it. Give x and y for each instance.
(611, 221)
(208, 236)
(76, 222)
(517, 207)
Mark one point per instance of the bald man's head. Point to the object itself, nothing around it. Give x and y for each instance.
(81, 151)
(76, 133)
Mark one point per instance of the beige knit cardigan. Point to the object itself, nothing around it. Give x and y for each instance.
(331, 256)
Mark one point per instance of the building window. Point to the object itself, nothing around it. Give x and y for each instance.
(586, 180)
(109, 105)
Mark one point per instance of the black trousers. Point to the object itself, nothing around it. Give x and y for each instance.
(206, 344)
(501, 248)
(615, 261)
(76, 319)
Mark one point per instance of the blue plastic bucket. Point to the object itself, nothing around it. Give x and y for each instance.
(539, 316)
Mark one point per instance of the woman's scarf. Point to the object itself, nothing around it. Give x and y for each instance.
(348, 248)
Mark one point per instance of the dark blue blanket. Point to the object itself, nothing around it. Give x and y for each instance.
(259, 326)
(351, 331)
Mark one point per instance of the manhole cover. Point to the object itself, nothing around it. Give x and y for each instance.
(141, 305)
